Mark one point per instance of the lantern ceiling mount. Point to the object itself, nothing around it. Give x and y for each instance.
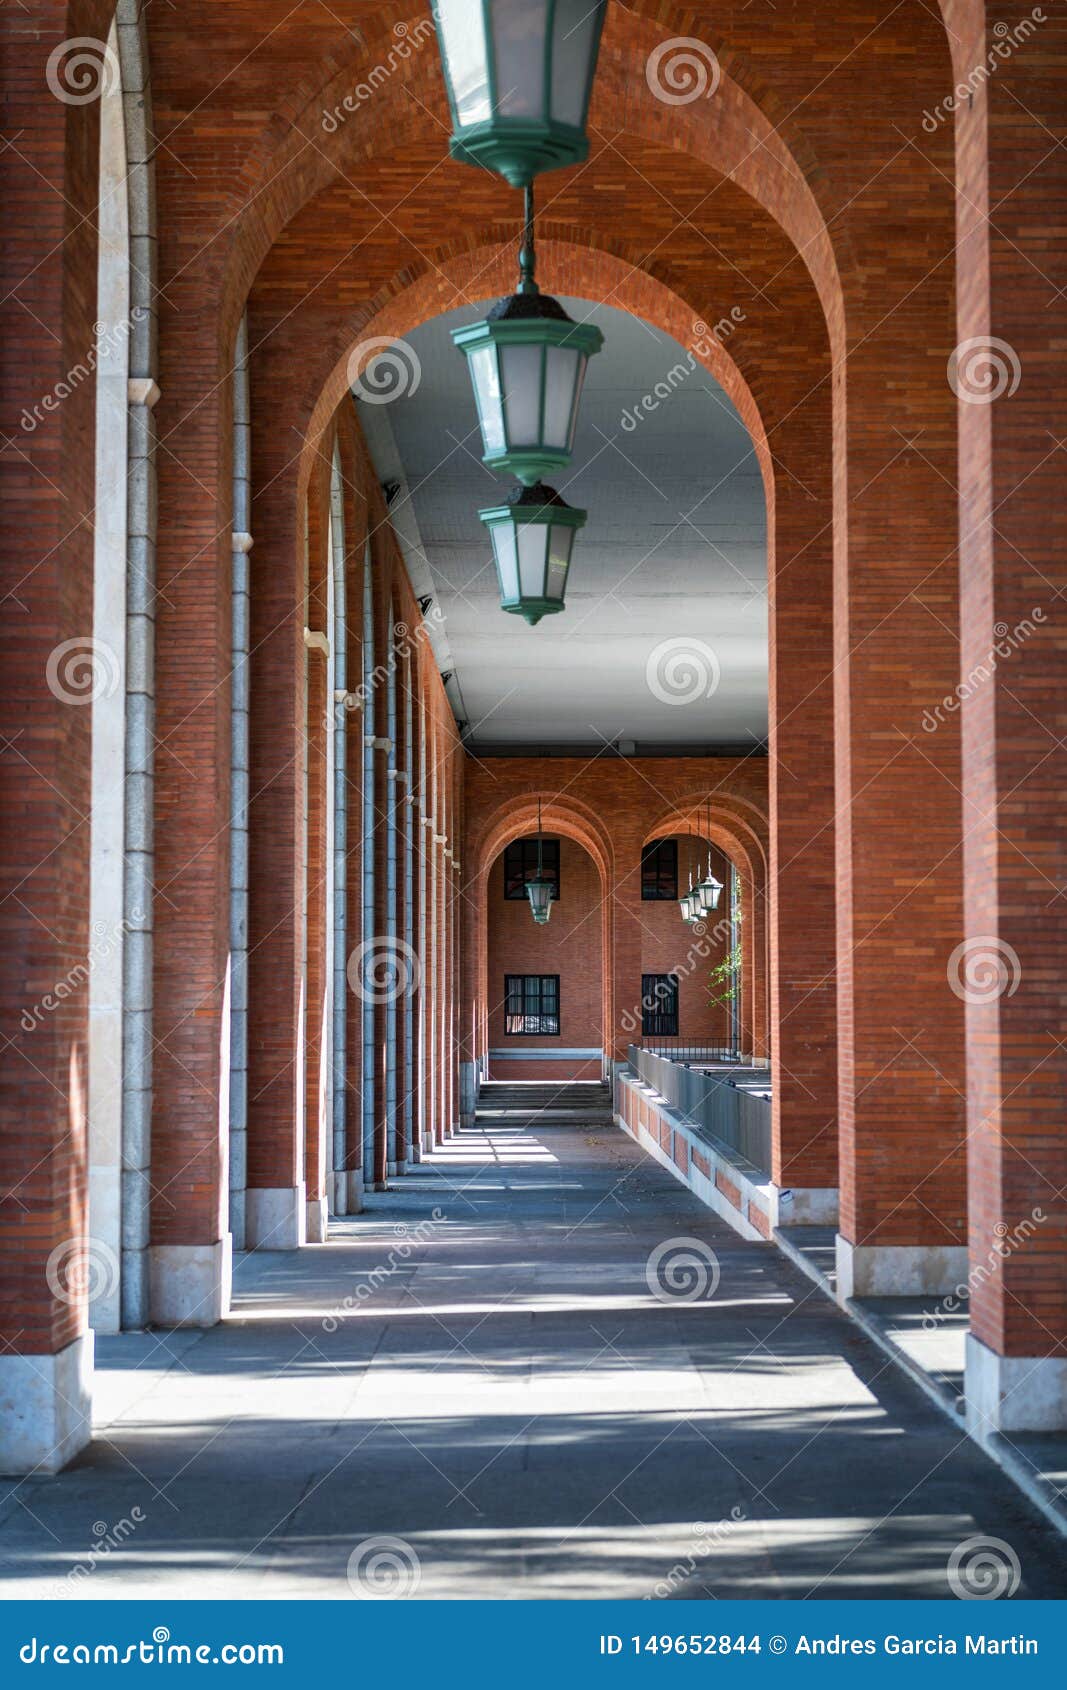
(519, 74)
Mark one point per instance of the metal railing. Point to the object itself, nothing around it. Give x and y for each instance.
(732, 1106)
(694, 1053)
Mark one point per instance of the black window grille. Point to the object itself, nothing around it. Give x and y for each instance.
(520, 865)
(531, 1004)
(659, 870)
(659, 1006)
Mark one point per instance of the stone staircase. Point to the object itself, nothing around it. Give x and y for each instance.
(545, 1102)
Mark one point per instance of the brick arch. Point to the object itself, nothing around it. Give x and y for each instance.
(513, 820)
(470, 274)
(739, 829)
(892, 506)
(734, 134)
(735, 824)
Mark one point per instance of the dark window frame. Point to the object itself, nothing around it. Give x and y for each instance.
(522, 990)
(520, 865)
(659, 871)
(659, 1006)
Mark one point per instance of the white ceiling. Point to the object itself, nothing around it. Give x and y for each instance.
(674, 551)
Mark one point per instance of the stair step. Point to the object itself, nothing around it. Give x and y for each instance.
(561, 1100)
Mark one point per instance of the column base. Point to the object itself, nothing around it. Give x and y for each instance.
(276, 1217)
(354, 1193)
(899, 1270)
(135, 1293)
(468, 1092)
(803, 1205)
(401, 1169)
(427, 1144)
(237, 1218)
(190, 1284)
(46, 1407)
(318, 1220)
(1013, 1393)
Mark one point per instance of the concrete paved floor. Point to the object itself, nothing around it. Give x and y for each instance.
(485, 1369)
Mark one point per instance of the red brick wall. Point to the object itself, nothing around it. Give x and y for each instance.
(1013, 562)
(666, 941)
(49, 178)
(570, 946)
(612, 806)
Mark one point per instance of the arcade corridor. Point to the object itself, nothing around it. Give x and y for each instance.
(483, 1389)
(533, 777)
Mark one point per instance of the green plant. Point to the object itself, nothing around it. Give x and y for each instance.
(724, 976)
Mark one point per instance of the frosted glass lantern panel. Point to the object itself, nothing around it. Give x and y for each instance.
(573, 33)
(467, 58)
(520, 368)
(532, 559)
(519, 38)
(560, 375)
(487, 394)
(561, 539)
(507, 562)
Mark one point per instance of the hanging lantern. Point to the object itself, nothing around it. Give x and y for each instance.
(532, 538)
(527, 362)
(519, 74)
(539, 892)
(688, 903)
(709, 890)
(540, 889)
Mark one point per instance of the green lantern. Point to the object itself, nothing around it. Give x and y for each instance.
(532, 536)
(527, 362)
(708, 891)
(519, 74)
(539, 889)
(686, 905)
